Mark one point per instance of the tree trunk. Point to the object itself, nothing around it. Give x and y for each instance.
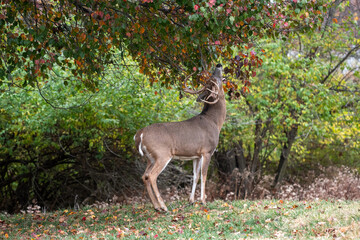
(257, 147)
(280, 173)
(240, 157)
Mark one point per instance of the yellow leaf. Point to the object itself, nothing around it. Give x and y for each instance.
(208, 217)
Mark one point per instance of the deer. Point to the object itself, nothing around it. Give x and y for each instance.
(194, 139)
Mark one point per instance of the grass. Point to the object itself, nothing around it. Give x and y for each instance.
(217, 220)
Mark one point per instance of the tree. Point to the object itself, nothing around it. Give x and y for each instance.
(300, 99)
(166, 38)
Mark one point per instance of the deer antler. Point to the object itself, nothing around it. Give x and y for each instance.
(214, 94)
(212, 91)
(188, 90)
(213, 102)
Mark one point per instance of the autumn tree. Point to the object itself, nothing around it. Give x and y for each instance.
(168, 39)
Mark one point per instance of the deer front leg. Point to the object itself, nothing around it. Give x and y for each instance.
(204, 162)
(196, 171)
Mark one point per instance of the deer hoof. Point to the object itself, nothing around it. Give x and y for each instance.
(161, 209)
(164, 208)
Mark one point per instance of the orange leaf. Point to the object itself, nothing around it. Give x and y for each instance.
(335, 20)
(142, 30)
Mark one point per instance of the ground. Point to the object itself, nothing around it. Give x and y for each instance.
(283, 219)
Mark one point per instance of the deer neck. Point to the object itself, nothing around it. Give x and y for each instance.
(215, 112)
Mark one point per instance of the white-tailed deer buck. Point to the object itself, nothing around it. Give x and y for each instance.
(193, 139)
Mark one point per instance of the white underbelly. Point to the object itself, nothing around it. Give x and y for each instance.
(186, 158)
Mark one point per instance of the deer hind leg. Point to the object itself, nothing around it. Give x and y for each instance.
(204, 162)
(196, 171)
(155, 171)
(147, 183)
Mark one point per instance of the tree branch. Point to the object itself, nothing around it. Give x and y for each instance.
(339, 63)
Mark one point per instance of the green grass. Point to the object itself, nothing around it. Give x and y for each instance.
(217, 220)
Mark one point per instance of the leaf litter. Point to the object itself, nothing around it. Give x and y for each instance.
(218, 219)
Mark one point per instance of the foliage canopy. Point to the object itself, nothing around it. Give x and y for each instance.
(167, 38)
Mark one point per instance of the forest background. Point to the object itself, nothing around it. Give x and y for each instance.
(77, 79)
